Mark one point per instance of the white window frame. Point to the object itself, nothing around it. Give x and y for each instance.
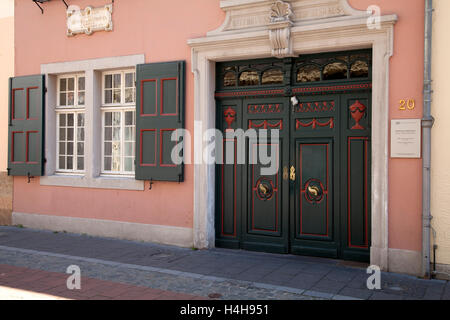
(121, 107)
(75, 109)
(75, 155)
(122, 88)
(75, 93)
(93, 69)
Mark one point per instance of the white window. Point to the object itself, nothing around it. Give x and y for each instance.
(119, 88)
(118, 122)
(70, 124)
(70, 141)
(71, 91)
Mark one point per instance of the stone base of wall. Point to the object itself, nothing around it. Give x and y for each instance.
(6, 192)
(442, 272)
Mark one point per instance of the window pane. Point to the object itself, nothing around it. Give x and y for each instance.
(71, 84)
(62, 134)
(116, 118)
(69, 163)
(129, 118)
(108, 118)
(62, 85)
(128, 149)
(117, 80)
(249, 78)
(80, 148)
(107, 164)
(128, 164)
(81, 99)
(81, 119)
(116, 134)
(62, 148)
(70, 120)
(108, 134)
(62, 120)
(308, 74)
(108, 96)
(81, 83)
(70, 134)
(62, 99)
(129, 134)
(129, 95)
(129, 80)
(70, 148)
(334, 71)
(108, 81)
(108, 148)
(62, 163)
(70, 99)
(80, 163)
(116, 96)
(80, 134)
(229, 79)
(360, 69)
(273, 76)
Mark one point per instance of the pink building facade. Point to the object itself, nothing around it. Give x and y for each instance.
(90, 143)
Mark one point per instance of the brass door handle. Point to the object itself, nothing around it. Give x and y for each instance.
(293, 173)
(313, 190)
(285, 173)
(263, 189)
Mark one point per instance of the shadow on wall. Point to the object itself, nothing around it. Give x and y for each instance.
(6, 189)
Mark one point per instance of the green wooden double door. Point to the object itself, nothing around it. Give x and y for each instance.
(318, 201)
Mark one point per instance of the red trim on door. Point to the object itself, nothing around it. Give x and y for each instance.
(325, 192)
(366, 213)
(13, 104)
(235, 190)
(275, 191)
(162, 98)
(333, 88)
(314, 123)
(265, 124)
(161, 163)
(27, 148)
(141, 156)
(28, 102)
(142, 114)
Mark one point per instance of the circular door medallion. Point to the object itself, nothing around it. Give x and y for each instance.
(264, 189)
(314, 191)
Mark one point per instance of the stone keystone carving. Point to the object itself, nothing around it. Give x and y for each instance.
(280, 29)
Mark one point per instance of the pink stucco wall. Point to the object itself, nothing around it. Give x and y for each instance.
(160, 29)
(406, 82)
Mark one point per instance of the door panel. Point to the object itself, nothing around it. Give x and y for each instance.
(266, 200)
(355, 176)
(314, 141)
(314, 192)
(229, 177)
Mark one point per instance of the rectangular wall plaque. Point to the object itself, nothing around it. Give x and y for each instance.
(89, 19)
(406, 138)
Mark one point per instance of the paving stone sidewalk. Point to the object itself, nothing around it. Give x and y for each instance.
(216, 273)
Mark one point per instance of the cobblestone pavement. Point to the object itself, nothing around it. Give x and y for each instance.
(172, 271)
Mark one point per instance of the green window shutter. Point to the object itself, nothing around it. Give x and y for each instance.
(159, 112)
(26, 126)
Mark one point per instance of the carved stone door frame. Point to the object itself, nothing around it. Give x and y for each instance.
(329, 25)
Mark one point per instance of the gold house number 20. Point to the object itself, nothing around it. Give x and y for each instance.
(409, 104)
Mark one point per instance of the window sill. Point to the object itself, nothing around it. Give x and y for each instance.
(76, 181)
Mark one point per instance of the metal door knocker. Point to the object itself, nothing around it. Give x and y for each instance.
(264, 189)
(314, 191)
